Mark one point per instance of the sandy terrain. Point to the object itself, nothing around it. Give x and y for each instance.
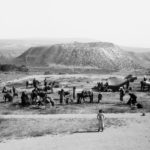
(60, 116)
(110, 102)
(64, 77)
(66, 81)
(132, 136)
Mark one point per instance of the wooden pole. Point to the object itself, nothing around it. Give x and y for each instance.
(74, 92)
(61, 96)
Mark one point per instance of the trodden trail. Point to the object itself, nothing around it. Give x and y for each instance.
(48, 116)
(133, 136)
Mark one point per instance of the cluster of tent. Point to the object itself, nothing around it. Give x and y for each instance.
(114, 83)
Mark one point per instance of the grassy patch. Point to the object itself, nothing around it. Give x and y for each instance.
(20, 128)
(110, 104)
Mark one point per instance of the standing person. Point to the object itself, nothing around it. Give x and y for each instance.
(34, 83)
(45, 82)
(127, 85)
(99, 97)
(61, 96)
(122, 93)
(52, 85)
(106, 86)
(91, 97)
(14, 89)
(27, 84)
(102, 87)
(100, 117)
(144, 79)
(4, 90)
(14, 92)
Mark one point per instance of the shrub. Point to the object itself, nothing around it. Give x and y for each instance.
(11, 67)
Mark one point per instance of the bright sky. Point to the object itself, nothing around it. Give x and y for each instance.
(124, 22)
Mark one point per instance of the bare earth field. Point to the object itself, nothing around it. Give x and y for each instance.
(122, 131)
(73, 126)
(110, 102)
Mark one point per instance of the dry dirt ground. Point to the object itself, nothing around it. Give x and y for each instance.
(125, 130)
(122, 131)
(110, 102)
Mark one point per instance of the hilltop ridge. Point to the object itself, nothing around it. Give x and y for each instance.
(101, 55)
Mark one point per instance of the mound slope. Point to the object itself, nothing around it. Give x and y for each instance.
(98, 54)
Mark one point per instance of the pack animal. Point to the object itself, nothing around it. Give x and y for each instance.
(83, 95)
(8, 97)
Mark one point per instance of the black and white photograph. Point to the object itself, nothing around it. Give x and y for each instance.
(74, 74)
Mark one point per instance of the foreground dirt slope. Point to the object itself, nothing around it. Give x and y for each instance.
(133, 136)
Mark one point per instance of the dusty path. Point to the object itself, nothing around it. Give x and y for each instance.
(134, 136)
(118, 115)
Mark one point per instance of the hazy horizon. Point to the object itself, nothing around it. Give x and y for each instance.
(69, 40)
(123, 22)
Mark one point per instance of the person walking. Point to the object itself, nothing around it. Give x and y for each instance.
(100, 117)
(122, 93)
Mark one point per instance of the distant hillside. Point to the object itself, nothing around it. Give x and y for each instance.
(101, 55)
(46, 52)
(135, 49)
(14, 47)
(142, 58)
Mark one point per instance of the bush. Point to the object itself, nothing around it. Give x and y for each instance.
(10, 67)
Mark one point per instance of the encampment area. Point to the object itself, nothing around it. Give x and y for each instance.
(72, 93)
(72, 118)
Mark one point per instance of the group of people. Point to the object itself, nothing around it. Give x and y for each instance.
(84, 94)
(38, 95)
(34, 83)
(13, 91)
(9, 94)
(65, 96)
(132, 100)
(102, 87)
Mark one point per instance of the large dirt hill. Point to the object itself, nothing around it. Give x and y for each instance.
(14, 47)
(97, 54)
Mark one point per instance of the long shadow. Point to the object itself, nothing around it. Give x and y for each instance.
(92, 131)
(121, 105)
